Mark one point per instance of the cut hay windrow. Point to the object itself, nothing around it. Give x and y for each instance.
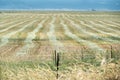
(111, 25)
(96, 36)
(74, 37)
(104, 27)
(100, 31)
(114, 23)
(12, 26)
(7, 23)
(81, 30)
(28, 41)
(42, 33)
(114, 33)
(59, 45)
(4, 39)
(52, 36)
(11, 21)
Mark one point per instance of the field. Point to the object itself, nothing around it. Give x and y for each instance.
(88, 44)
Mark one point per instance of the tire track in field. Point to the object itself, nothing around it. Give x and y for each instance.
(90, 33)
(28, 42)
(76, 38)
(52, 36)
(4, 39)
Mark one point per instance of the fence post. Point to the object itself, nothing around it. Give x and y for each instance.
(111, 53)
(57, 59)
(82, 51)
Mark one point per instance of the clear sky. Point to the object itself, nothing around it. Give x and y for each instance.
(61, 4)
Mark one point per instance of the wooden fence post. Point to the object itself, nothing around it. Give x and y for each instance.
(111, 52)
(57, 60)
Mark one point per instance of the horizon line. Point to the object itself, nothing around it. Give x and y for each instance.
(63, 9)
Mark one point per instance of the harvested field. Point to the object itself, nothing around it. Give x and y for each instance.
(88, 43)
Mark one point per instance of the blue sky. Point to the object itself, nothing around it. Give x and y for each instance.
(61, 4)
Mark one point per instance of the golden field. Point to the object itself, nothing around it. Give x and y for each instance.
(88, 44)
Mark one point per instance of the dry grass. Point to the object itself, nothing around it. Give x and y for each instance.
(77, 60)
(81, 71)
